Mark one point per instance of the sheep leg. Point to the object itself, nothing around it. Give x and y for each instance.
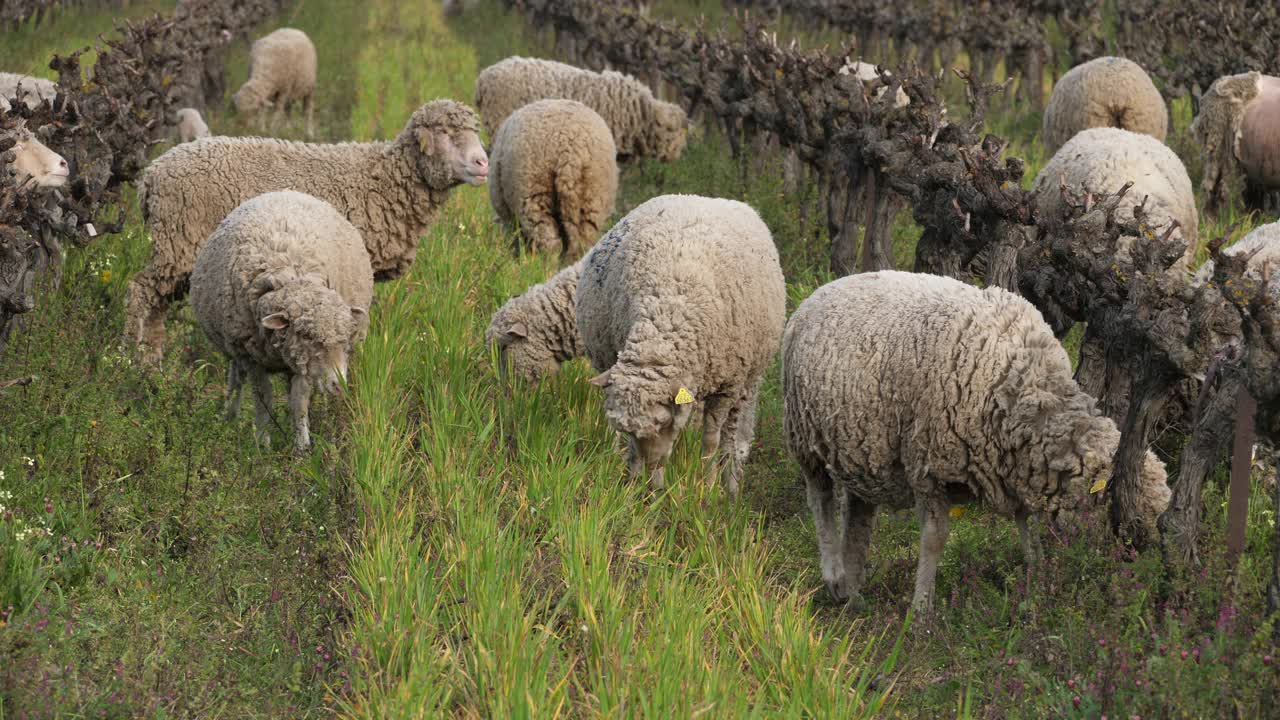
(261, 405)
(299, 404)
(744, 434)
(1032, 551)
(934, 527)
(829, 518)
(714, 410)
(860, 518)
(538, 225)
(235, 382)
(146, 303)
(309, 107)
(635, 462)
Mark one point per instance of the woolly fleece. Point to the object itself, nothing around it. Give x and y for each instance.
(283, 285)
(537, 331)
(282, 69)
(1104, 92)
(34, 90)
(1238, 130)
(555, 169)
(642, 125)
(684, 292)
(190, 125)
(905, 389)
(391, 191)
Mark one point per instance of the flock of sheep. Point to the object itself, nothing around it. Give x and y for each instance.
(900, 389)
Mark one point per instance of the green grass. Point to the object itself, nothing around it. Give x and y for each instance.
(457, 547)
(29, 49)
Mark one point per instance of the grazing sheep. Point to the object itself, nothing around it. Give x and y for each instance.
(904, 389)
(35, 165)
(554, 168)
(538, 330)
(283, 285)
(1102, 160)
(391, 191)
(870, 77)
(1104, 92)
(1238, 130)
(31, 90)
(190, 125)
(642, 125)
(682, 301)
(282, 69)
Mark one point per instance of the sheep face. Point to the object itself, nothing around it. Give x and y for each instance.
(314, 332)
(1084, 462)
(650, 406)
(518, 354)
(671, 129)
(250, 98)
(452, 156)
(35, 164)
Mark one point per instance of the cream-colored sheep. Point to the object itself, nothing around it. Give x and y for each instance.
(555, 170)
(1104, 92)
(190, 125)
(642, 125)
(1238, 130)
(391, 191)
(31, 90)
(282, 70)
(35, 165)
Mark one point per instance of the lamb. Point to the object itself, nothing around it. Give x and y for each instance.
(391, 191)
(31, 90)
(904, 389)
(1104, 92)
(538, 331)
(190, 125)
(35, 165)
(555, 170)
(642, 125)
(1238, 130)
(682, 301)
(1102, 160)
(282, 69)
(283, 285)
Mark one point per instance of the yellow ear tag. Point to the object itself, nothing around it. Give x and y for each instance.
(684, 397)
(957, 512)
(1098, 486)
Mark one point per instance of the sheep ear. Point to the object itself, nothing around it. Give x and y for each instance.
(275, 321)
(519, 330)
(603, 379)
(358, 313)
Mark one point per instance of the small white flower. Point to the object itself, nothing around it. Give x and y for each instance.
(583, 628)
(31, 462)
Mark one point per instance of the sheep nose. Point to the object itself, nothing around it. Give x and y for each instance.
(62, 164)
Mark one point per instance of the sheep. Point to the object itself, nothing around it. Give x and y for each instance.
(554, 169)
(35, 165)
(903, 389)
(1102, 160)
(31, 90)
(870, 77)
(537, 331)
(642, 125)
(391, 191)
(190, 125)
(1238, 131)
(683, 301)
(283, 285)
(282, 69)
(1104, 92)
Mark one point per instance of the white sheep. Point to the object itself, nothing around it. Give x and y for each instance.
(1104, 92)
(282, 70)
(1238, 130)
(283, 286)
(683, 301)
(554, 169)
(391, 191)
(35, 165)
(190, 125)
(642, 125)
(870, 77)
(903, 390)
(537, 331)
(31, 90)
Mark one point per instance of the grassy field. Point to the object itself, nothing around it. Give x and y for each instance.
(459, 547)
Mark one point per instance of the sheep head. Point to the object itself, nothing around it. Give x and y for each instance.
(35, 165)
(668, 130)
(519, 354)
(650, 405)
(443, 136)
(313, 329)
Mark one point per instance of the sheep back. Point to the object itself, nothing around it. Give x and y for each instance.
(553, 167)
(641, 124)
(262, 244)
(1103, 92)
(902, 385)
